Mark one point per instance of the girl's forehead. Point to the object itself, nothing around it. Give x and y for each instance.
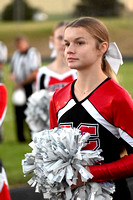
(79, 30)
(59, 30)
(76, 32)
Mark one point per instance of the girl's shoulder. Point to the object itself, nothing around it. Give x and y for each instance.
(62, 96)
(117, 92)
(42, 70)
(65, 90)
(118, 89)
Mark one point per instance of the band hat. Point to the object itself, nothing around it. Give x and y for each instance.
(113, 57)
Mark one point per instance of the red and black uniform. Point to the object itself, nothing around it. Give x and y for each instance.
(48, 79)
(107, 115)
(3, 102)
(4, 191)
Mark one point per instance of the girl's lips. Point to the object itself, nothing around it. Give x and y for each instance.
(71, 59)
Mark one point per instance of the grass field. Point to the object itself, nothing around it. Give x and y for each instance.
(120, 29)
(12, 152)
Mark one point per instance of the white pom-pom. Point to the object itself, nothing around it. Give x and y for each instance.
(56, 160)
(37, 111)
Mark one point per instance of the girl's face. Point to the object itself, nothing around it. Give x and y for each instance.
(58, 40)
(22, 45)
(80, 48)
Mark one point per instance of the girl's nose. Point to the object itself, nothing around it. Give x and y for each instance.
(70, 49)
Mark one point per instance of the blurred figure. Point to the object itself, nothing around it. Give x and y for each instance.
(4, 190)
(57, 74)
(24, 65)
(3, 57)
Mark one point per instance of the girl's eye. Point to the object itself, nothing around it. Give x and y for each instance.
(80, 43)
(60, 37)
(67, 44)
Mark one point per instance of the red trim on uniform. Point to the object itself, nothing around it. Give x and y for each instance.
(57, 102)
(119, 169)
(4, 194)
(3, 100)
(117, 105)
(54, 80)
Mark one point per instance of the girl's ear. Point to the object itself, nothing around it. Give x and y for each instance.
(103, 47)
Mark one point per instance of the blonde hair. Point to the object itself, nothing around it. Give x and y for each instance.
(98, 31)
(60, 24)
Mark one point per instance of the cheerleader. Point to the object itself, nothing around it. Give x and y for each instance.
(4, 190)
(96, 103)
(57, 74)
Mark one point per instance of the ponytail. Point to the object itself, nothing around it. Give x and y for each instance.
(108, 70)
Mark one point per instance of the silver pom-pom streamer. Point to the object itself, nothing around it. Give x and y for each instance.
(37, 111)
(56, 160)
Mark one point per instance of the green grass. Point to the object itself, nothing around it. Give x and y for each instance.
(12, 152)
(125, 76)
(120, 29)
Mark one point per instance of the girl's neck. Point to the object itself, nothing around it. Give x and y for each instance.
(87, 82)
(59, 65)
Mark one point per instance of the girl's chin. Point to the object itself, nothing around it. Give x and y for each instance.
(72, 66)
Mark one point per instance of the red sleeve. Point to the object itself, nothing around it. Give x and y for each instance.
(52, 114)
(3, 102)
(119, 169)
(123, 114)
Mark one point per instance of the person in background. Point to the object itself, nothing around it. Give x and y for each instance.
(3, 60)
(96, 103)
(24, 65)
(4, 189)
(57, 74)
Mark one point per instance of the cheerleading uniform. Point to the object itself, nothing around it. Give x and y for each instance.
(106, 114)
(48, 79)
(4, 192)
(3, 102)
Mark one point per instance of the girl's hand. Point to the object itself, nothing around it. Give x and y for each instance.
(79, 183)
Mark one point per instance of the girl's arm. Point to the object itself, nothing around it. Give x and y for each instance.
(119, 169)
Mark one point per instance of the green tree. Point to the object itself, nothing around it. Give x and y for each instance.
(99, 8)
(18, 10)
